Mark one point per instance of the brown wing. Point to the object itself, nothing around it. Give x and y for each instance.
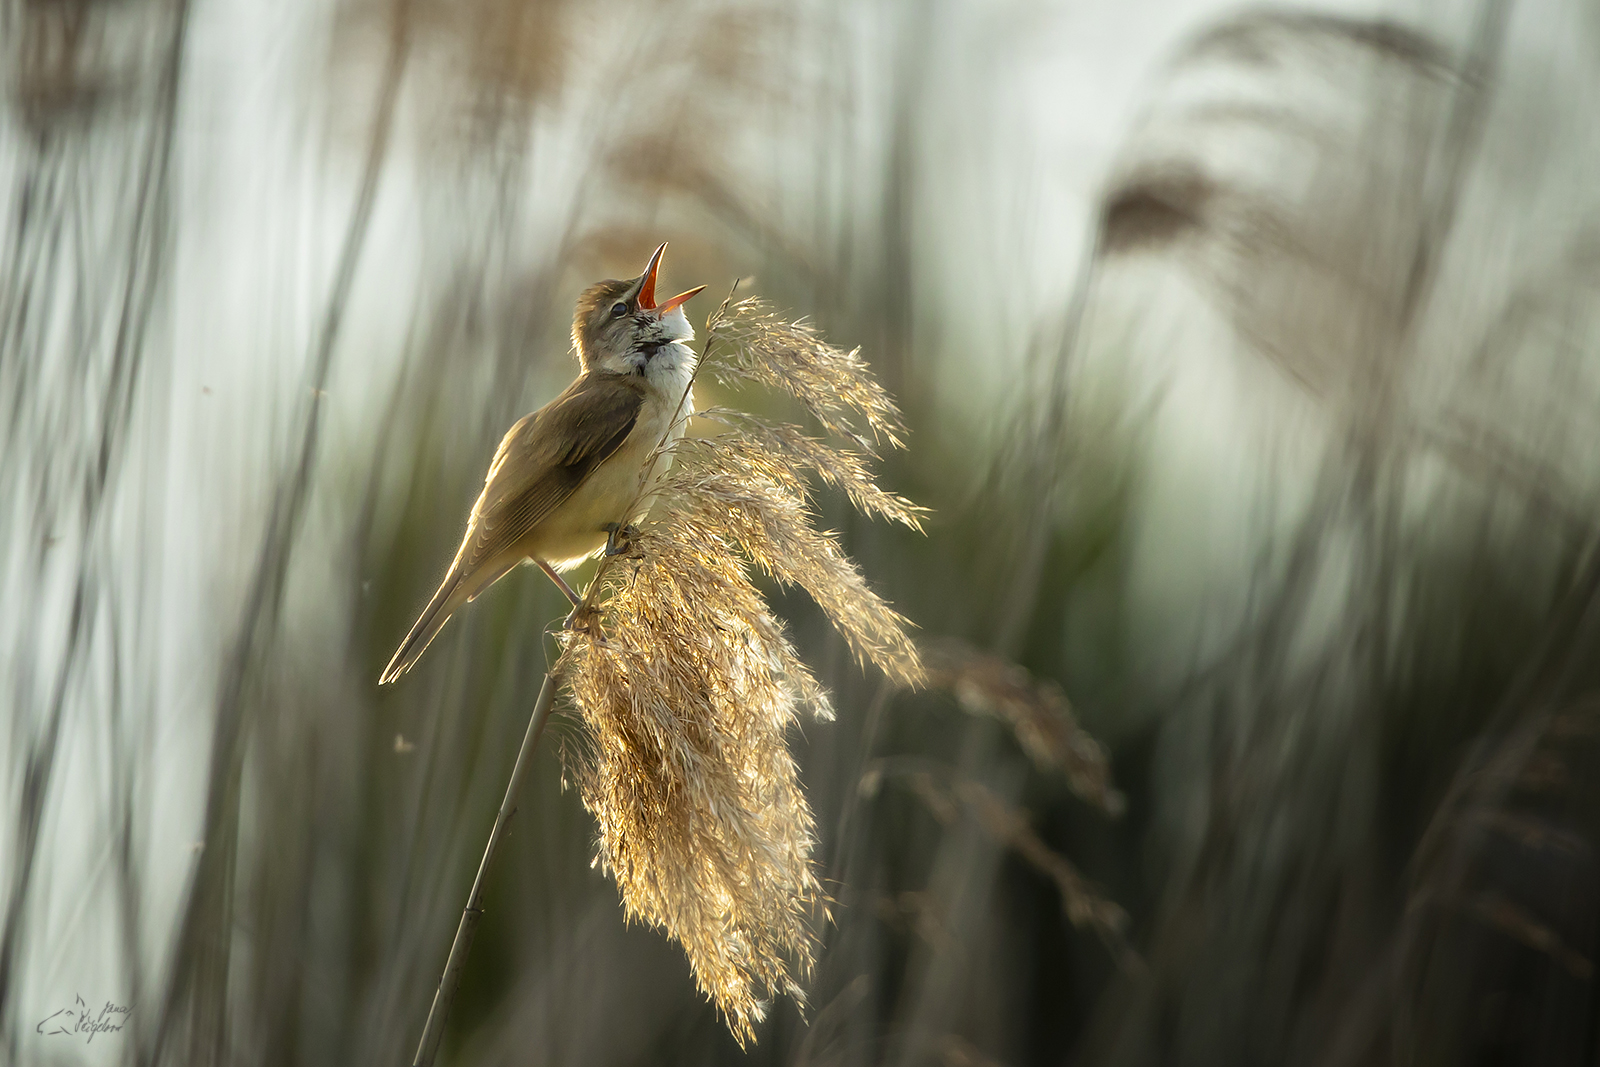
(544, 458)
(540, 462)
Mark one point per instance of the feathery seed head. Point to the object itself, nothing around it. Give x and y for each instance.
(688, 684)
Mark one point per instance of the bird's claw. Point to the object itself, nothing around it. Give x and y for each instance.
(584, 619)
(619, 537)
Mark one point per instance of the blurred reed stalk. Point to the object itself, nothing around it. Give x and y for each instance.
(202, 962)
(92, 139)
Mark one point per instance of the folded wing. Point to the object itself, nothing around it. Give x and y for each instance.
(540, 463)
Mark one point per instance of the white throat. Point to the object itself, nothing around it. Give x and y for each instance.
(671, 369)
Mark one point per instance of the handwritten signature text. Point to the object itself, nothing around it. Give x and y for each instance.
(82, 1020)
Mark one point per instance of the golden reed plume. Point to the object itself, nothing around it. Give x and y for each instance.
(687, 683)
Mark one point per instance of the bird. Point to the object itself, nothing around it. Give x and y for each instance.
(562, 481)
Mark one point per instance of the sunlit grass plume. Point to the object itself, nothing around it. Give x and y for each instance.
(687, 683)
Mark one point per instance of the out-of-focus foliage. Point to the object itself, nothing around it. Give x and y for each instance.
(1259, 579)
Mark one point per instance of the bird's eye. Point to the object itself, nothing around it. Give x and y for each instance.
(619, 309)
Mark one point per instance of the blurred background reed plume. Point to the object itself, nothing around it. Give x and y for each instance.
(1244, 364)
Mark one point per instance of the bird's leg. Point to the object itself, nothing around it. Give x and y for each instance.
(561, 583)
(577, 601)
(618, 537)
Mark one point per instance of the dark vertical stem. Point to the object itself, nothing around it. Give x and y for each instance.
(201, 959)
(897, 280)
(1043, 479)
(445, 995)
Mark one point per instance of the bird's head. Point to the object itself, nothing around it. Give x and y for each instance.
(619, 327)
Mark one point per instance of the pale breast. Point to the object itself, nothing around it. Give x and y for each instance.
(577, 529)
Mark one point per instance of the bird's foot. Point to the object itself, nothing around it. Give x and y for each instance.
(585, 619)
(619, 537)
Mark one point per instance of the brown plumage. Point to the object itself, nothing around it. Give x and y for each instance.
(566, 473)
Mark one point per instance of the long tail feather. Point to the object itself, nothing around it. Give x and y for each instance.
(427, 626)
(456, 589)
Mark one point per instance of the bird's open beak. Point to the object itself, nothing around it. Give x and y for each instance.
(647, 289)
(676, 302)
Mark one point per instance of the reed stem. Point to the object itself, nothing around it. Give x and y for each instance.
(433, 1031)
